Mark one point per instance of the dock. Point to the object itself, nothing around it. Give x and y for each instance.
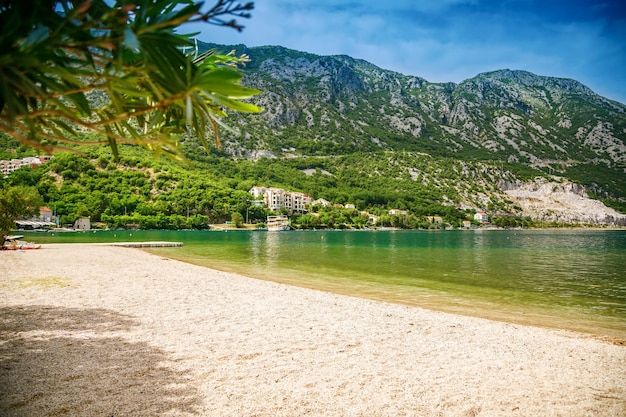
(146, 244)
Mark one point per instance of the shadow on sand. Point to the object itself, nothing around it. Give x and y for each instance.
(57, 361)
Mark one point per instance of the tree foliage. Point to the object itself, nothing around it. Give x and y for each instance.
(237, 219)
(138, 191)
(17, 202)
(116, 70)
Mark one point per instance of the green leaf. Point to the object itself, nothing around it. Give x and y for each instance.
(224, 81)
(234, 104)
(66, 127)
(67, 61)
(81, 103)
(156, 119)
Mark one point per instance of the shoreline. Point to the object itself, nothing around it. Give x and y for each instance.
(603, 328)
(524, 316)
(223, 227)
(608, 329)
(103, 330)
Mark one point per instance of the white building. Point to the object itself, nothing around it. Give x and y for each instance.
(31, 160)
(257, 191)
(321, 202)
(482, 217)
(276, 199)
(83, 223)
(8, 166)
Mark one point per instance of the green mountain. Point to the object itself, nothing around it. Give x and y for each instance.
(337, 105)
(511, 143)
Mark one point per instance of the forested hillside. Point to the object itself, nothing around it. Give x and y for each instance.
(143, 192)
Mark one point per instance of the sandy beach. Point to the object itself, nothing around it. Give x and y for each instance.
(92, 330)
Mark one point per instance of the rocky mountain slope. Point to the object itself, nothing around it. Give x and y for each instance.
(337, 105)
(560, 202)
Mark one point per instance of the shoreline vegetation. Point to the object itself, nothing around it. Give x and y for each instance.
(546, 226)
(261, 226)
(104, 330)
(139, 193)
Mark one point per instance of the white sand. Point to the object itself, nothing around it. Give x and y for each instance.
(91, 330)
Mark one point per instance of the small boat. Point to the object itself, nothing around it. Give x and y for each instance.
(277, 223)
(14, 243)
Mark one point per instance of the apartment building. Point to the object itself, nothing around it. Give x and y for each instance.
(277, 199)
(8, 166)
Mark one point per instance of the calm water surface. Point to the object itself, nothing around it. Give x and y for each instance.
(573, 279)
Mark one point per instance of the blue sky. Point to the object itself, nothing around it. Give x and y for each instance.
(451, 40)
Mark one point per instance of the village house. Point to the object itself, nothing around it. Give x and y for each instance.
(321, 202)
(435, 219)
(45, 220)
(45, 214)
(482, 217)
(83, 223)
(371, 218)
(257, 191)
(399, 212)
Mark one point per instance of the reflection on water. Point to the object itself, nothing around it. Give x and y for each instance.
(256, 249)
(578, 274)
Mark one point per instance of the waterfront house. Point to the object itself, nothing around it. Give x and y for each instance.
(45, 214)
(482, 217)
(83, 223)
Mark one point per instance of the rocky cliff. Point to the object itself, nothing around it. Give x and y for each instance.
(565, 202)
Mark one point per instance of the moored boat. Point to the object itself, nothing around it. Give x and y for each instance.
(277, 223)
(14, 243)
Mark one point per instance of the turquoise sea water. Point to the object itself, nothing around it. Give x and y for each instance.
(570, 279)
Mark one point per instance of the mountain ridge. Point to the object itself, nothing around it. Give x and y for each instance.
(336, 105)
(452, 114)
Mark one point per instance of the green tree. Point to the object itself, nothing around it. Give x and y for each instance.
(237, 219)
(116, 69)
(17, 202)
